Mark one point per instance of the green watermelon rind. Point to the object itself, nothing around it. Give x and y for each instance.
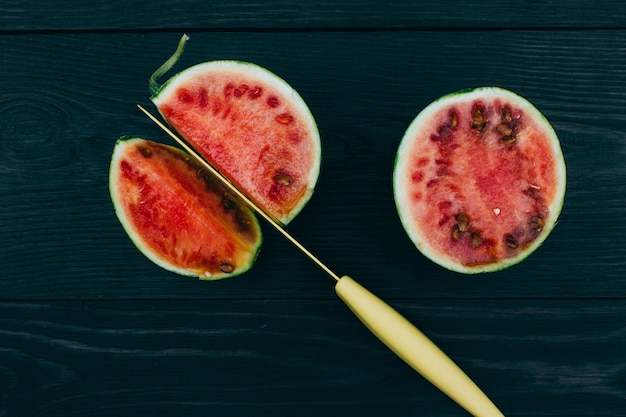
(153, 81)
(280, 84)
(135, 236)
(400, 165)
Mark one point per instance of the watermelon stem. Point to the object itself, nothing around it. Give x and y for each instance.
(153, 83)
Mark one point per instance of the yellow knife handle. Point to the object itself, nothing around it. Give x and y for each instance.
(417, 350)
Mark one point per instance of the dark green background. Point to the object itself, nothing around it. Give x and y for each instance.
(88, 326)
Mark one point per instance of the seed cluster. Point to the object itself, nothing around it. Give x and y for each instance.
(227, 268)
(518, 238)
(508, 128)
(479, 123)
(462, 226)
(282, 179)
(144, 151)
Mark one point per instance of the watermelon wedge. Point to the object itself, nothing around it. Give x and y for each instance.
(250, 124)
(479, 180)
(177, 215)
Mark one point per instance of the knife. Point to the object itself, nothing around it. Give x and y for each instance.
(395, 331)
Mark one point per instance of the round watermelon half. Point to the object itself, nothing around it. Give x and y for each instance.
(479, 180)
(178, 215)
(250, 124)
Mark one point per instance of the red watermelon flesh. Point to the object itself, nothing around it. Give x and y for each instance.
(252, 126)
(178, 215)
(479, 180)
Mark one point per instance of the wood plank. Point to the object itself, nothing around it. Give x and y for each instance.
(88, 326)
(73, 15)
(65, 99)
(233, 358)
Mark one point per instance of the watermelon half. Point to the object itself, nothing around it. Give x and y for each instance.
(479, 180)
(250, 124)
(178, 215)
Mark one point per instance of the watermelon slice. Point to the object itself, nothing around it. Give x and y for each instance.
(479, 180)
(179, 216)
(250, 124)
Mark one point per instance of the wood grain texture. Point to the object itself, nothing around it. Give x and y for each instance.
(198, 15)
(59, 125)
(232, 358)
(88, 326)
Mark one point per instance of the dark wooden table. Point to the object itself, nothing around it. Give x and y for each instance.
(89, 327)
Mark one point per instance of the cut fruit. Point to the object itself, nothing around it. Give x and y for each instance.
(179, 216)
(250, 124)
(479, 180)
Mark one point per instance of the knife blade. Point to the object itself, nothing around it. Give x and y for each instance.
(395, 331)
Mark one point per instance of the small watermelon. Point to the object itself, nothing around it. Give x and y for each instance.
(250, 124)
(178, 215)
(479, 180)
